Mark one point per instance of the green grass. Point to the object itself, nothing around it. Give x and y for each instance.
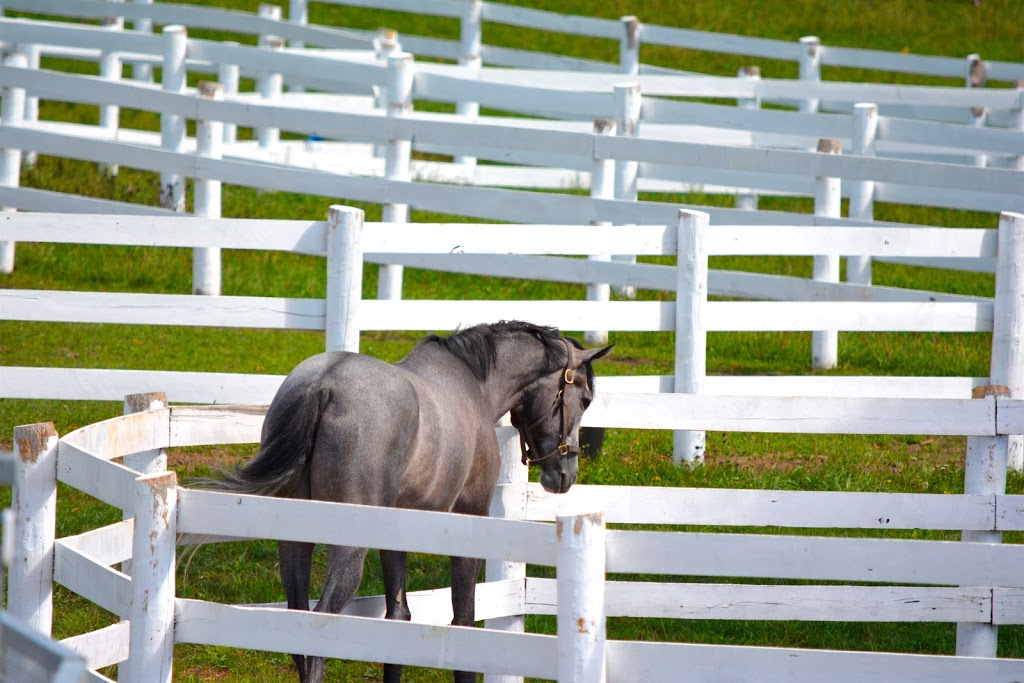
(247, 572)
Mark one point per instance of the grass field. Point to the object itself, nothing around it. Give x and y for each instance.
(247, 573)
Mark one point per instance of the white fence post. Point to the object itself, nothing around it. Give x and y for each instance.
(385, 43)
(629, 46)
(691, 335)
(1008, 330)
(470, 39)
(298, 13)
(143, 72)
(270, 87)
(228, 76)
(747, 200)
(172, 126)
(32, 55)
(30, 579)
(344, 277)
(398, 155)
(976, 77)
(146, 462)
(512, 471)
(110, 69)
(12, 109)
(267, 11)
(580, 566)
(810, 70)
(628, 101)
(206, 261)
(151, 631)
(862, 192)
(827, 203)
(602, 186)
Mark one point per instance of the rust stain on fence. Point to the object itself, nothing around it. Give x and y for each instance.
(31, 440)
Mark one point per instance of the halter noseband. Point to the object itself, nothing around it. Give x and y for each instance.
(526, 442)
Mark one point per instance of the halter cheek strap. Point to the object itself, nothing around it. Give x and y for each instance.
(526, 442)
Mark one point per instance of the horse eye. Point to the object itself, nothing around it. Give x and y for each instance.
(586, 402)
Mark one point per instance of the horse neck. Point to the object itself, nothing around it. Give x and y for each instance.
(518, 366)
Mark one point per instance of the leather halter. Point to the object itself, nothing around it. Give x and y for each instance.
(526, 442)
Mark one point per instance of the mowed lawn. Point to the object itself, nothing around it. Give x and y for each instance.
(247, 573)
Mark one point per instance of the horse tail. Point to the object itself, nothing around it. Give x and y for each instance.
(289, 435)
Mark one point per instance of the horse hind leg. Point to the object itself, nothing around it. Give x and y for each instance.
(344, 573)
(393, 565)
(465, 571)
(296, 560)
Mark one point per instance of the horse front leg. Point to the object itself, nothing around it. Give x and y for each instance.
(465, 571)
(393, 565)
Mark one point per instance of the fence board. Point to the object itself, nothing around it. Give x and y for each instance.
(773, 603)
(831, 559)
(107, 545)
(377, 640)
(96, 582)
(786, 415)
(221, 514)
(728, 663)
(797, 509)
(207, 425)
(90, 473)
(101, 648)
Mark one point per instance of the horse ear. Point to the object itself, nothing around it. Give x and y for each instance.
(591, 355)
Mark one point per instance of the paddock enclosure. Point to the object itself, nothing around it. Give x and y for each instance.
(569, 171)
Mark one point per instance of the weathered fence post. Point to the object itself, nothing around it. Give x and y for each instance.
(298, 13)
(810, 70)
(602, 186)
(142, 71)
(977, 75)
(628, 101)
(34, 503)
(12, 110)
(629, 46)
(32, 55)
(270, 88)
(827, 203)
(1008, 330)
(748, 200)
(581, 612)
(508, 506)
(691, 335)
(470, 39)
(110, 70)
(398, 155)
(172, 126)
(151, 631)
(344, 277)
(228, 76)
(862, 192)
(146, 462)
(206, 261)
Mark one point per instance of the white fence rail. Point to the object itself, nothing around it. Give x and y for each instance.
(921, 580)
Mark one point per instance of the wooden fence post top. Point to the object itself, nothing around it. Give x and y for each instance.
(579, 521)
(159, 483)
(137, 403)
(826, 146)
(31, 441)
(337, 212)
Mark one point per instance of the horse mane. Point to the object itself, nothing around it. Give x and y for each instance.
(477, 346)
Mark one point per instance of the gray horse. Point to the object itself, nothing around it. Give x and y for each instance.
(419, 434)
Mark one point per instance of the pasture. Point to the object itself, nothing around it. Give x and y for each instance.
(246, 573)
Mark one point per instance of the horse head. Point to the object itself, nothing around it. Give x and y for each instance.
(548, 418)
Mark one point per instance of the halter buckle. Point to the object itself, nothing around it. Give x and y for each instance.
(570, 376)
(563, 448)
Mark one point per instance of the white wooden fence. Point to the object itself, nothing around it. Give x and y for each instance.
(976, 583)
(343, 314)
